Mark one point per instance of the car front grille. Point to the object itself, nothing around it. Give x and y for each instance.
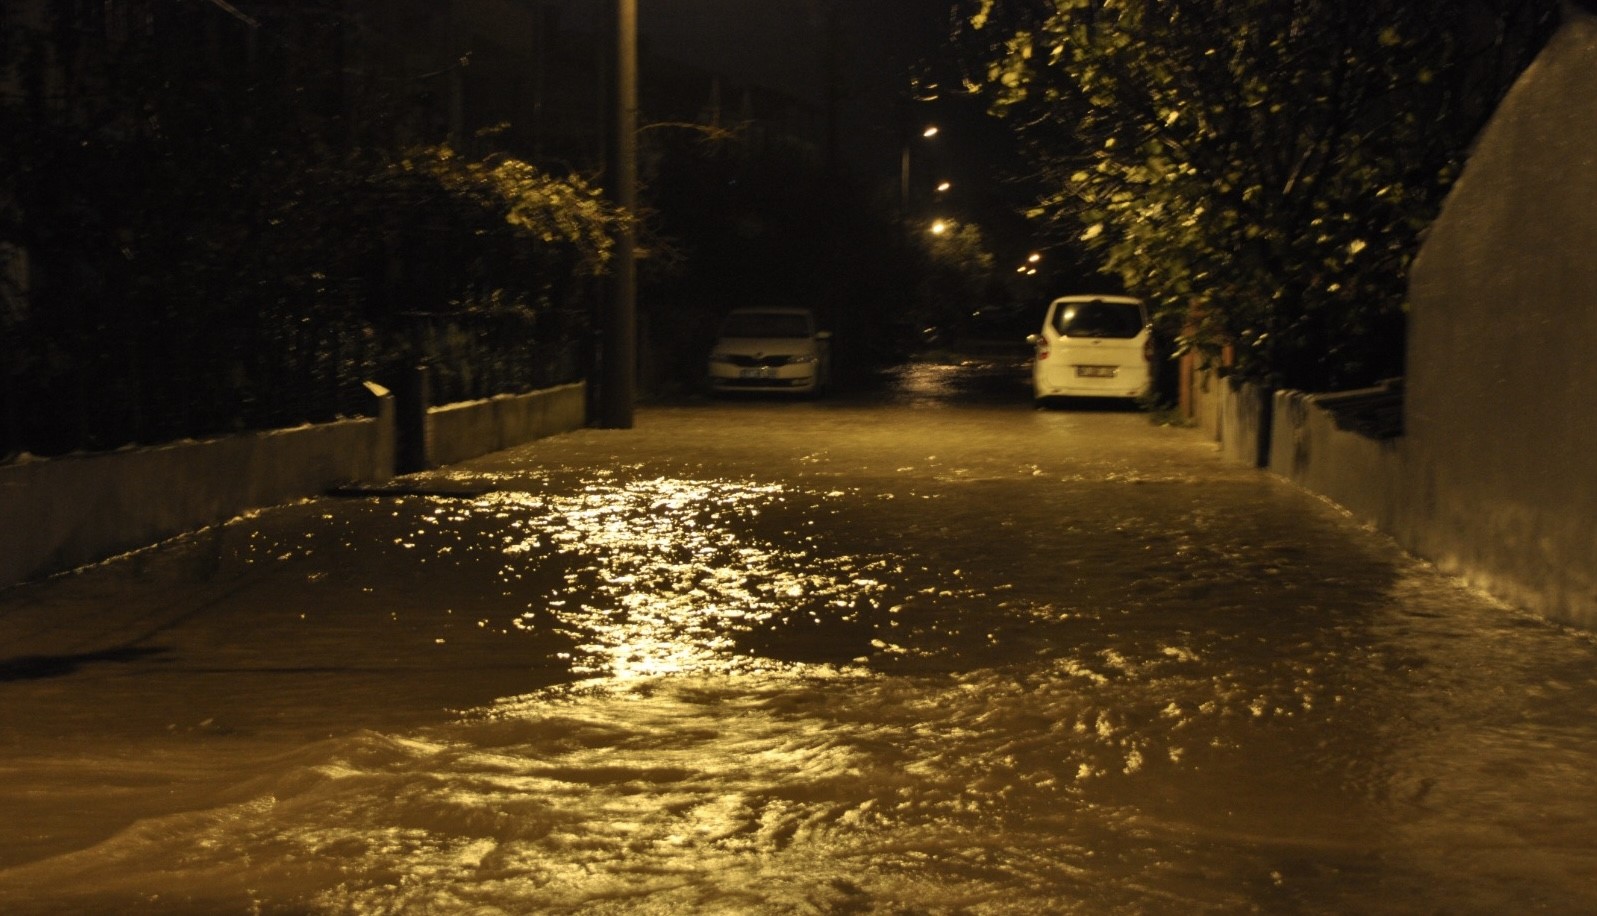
(758, 362)
(763, 382)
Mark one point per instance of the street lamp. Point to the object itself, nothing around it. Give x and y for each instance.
(619, 331)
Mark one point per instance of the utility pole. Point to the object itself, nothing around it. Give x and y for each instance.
(619, 341)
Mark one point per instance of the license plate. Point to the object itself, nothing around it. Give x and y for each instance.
(1095, 371)
(756, 373)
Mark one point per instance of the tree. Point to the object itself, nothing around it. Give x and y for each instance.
(1260, 170)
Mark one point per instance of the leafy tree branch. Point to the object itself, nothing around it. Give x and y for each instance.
(1261, 170)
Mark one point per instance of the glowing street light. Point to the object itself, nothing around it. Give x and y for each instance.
(939, 227)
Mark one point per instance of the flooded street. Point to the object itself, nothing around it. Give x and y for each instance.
(931, 651)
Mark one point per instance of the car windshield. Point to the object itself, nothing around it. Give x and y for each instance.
(1098, 318)
(766, 324)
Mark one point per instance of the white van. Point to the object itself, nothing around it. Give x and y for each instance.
(1093, 347)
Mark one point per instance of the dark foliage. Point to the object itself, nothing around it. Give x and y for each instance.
(1262, 172)
(198, 249)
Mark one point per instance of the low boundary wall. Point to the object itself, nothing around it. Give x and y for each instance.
(1537, 557)
(456, 432)
(1361, 474)
(60, 513)
(1236, 416)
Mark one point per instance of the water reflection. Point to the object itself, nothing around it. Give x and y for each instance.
(664, 576)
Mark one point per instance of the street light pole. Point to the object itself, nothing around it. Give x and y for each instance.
(903, 185)
(904, 179)
(619, 342)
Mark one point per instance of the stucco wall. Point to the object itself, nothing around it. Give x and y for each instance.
(1363, 475)
(61, 513)
(1243, 416)
(1201, 396)
(465, 430)
(65, 512)
(1502, 377)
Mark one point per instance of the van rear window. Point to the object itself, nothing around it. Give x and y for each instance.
(1098, 319)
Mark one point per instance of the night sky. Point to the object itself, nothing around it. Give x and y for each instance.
(784, 43)
(877, 45)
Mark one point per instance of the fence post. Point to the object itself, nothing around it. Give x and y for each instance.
(412, 400)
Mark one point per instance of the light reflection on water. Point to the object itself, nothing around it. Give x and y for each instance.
(892, 680)
(664, 584)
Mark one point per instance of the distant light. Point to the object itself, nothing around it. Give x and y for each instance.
(944, 185)
(1033, 258)
(939, 227)
(930, 131)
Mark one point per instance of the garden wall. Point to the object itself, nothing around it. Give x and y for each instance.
(1359, 473)
(1494, 475)
(1234, 415)
(61, 513)
(465, 430)
(1537, 551)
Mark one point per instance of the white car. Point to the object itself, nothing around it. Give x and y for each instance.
(1093, 347)
(770, 349)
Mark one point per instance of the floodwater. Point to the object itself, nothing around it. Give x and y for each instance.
(935, 652)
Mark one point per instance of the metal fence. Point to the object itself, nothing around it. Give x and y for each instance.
(102, 389)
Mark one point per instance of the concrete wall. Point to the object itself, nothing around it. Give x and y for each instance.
(1244, 417)
(1363, 475)
(1539, 556)
(1234, 415)
(456, 432)
(64, 512)
(1202, 396)
(1502, 377)
(1495, 476)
